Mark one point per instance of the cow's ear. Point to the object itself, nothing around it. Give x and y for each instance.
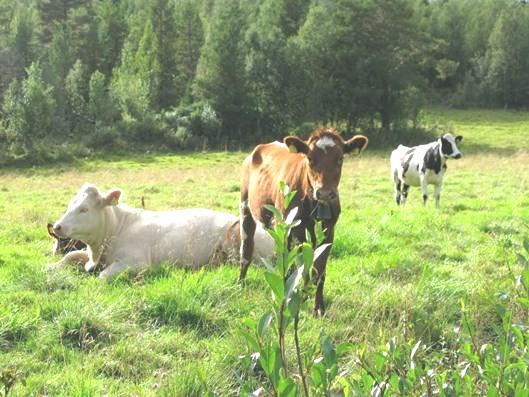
(358, 142)
(112, 197)
(296, 144)
(89, 189)
(49, 226)
(459, 138)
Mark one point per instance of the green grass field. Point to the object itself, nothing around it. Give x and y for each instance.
(172, 332)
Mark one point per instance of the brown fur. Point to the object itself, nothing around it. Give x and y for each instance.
(311, 172)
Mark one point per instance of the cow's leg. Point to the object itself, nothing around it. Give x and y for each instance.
(424, 189)
(404, 196)
(437, 194)
(319, 271)
(77, 257)
(397, 184)
(247, 230)
(111, 271)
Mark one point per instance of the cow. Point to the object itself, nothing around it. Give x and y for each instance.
(312, 169)
(63, 246)
(423, 165)
(119, 238)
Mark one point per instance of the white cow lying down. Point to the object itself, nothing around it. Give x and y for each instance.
(121, 238)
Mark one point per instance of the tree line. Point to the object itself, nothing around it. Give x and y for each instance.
(77, 76)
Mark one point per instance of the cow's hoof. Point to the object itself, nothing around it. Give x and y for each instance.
(50, 268)
(89, 266)
(318, 311)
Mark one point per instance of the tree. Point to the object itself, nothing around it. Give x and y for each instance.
(267, 65)
(507, 57)
(21, 38)
(100, 105)
(54, 14)
(189, 38)
(163, 25)
(76, 88)
(59, 61)
(221, 78)
(111, 31)
(28, 111)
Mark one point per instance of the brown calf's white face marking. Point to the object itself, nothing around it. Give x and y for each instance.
(325, 150)
(325, 142)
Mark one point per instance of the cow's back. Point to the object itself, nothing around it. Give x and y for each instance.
(263, 169)
(185, 237)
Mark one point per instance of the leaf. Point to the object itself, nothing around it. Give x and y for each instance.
(291, 215)
(320, 250)
(268, 264)
(294, 305)
(525, 278)
(414, 350)
(327, 347)
(317, 375)
(308, 254)
(287, 388)
(293, 281)
(526, 244)
(276, 212)
(524, 302)
(276, 283)
(271, 363)
(250, 339)
(343, 348)
(522, 260)
(291, 257)
(264, 324)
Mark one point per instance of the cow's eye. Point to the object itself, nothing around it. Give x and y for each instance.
(83, 210)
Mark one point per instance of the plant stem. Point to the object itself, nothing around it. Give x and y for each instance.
(282, 338)
(298, 354)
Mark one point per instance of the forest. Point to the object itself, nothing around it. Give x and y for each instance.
(79, 77)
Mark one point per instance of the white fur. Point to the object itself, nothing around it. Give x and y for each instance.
(414, 176)
(119, 237)
(325, 142)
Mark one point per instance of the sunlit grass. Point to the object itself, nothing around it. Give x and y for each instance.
(172, 332)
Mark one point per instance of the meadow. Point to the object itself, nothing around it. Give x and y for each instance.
(393, 271)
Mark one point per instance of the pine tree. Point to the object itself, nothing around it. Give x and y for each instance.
(163, 25)
(221, 77)
(111, 29)
(76, 88)
(100, 106)
(59, 61)
(21, 38)
(188, 42)
(28, 112)
(268, 68)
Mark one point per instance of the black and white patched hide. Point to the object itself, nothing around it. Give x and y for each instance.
(423, 165)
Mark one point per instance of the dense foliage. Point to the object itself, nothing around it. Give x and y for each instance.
(83, 75)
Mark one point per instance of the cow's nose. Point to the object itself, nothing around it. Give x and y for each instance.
(457, 156)
(325, 194)
(57, 227)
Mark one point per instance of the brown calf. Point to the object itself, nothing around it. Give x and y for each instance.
(313, 169)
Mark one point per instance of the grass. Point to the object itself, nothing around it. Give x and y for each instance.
(172, 332)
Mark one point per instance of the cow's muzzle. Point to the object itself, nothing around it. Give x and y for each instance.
(458, 156)
(325, 195)
(59, 230)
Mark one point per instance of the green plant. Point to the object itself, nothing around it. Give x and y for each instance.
(290, 282)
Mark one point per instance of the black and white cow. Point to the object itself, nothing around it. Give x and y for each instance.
(423, 165)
